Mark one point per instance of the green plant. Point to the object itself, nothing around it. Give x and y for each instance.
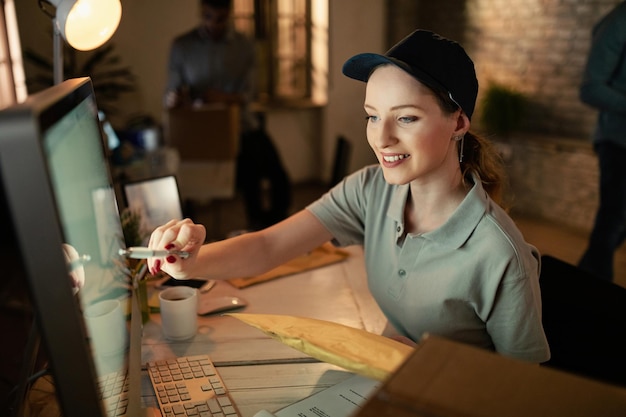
(110, 80)
(502, 109)
(131, 227)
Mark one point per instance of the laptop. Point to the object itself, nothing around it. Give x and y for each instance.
(157, 200)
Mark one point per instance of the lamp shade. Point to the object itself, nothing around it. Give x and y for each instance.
(87, 24)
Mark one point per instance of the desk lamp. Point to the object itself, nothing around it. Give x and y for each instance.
(84, 24)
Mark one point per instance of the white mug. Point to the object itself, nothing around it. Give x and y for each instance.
(179, 318)
(106, 326)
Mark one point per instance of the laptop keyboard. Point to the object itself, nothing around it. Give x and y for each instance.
(190, 386)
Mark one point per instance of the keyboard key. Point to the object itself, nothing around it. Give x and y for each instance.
(224, 401)
(229, 410)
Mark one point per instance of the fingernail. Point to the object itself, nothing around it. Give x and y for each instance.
(171, 259)
(169, 246)
(157, 266)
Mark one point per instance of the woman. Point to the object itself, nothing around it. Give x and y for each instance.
(442, 257)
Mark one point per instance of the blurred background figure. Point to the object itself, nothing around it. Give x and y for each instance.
(213, 63)
(604, 88)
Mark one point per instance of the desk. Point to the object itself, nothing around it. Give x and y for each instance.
(260, 372)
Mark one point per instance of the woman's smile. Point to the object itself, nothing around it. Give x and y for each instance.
(391, 160)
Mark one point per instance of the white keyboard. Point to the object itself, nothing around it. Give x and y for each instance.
(190, 386)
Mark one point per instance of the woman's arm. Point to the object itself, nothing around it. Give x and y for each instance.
(242, 256)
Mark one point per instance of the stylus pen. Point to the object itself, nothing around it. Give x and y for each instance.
(78, 262)
(145, 253)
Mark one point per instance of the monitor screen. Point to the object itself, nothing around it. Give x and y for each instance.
(63, 211)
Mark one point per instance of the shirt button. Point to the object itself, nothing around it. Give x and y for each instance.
(402, 273)
(399, 229)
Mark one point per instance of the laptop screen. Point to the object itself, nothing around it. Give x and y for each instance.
(156, 200)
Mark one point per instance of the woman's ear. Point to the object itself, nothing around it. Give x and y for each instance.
(462, 124)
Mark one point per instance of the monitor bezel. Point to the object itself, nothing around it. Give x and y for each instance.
(33, 210)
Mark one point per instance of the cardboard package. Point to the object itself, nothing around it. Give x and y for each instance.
(444, 379)
(207, 141)
(206, 133)
(323, 255)
(356, 350)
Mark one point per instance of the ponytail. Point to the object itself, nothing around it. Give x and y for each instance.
(481, 157)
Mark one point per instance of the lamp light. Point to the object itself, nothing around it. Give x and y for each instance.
(87, 24)
(84, 24)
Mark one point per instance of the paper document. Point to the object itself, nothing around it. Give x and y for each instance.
(341, 400)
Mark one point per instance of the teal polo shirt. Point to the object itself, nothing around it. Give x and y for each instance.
(474, 279)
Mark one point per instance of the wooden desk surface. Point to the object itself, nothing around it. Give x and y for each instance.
(260, 372)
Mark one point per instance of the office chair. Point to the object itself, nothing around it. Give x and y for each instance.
(584, 318)
(343, 149)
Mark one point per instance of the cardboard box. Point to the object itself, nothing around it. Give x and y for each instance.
(207, 141)
(207, 133)
(203, 182)
(444, 378)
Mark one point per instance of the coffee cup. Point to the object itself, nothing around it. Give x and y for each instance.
(179, 318)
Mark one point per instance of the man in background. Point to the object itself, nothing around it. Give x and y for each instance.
(604, 88)
(213, 63)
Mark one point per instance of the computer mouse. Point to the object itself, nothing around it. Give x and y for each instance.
(211, 305)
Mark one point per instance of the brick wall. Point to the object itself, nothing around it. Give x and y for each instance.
(552, 178)
(538, 47)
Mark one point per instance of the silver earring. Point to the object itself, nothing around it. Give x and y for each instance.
(462, 139)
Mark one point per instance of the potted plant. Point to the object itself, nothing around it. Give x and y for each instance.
(102, 65)
(135, 235)
(502, 110)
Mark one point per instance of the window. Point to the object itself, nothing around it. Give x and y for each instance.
(12, 79)
(292, 41)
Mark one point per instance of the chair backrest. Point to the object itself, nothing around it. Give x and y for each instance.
(585, 322)
(156, 199)
(343, 149)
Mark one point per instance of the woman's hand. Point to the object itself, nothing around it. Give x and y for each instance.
(181, 235)
(172, 99)
(77, 274)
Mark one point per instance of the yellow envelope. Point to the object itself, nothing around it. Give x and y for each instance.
(324, 255)
(356, 350)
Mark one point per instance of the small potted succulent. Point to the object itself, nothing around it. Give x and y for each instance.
(134, 235)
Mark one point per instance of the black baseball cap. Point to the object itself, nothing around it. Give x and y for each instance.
(437, 62)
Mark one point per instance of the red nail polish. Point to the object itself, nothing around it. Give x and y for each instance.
(157, 266)
(171, 259)
(169, 246)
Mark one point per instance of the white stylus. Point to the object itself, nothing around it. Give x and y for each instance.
(78, 262)
(137, 252)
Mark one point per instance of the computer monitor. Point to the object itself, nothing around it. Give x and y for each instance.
(62, 210)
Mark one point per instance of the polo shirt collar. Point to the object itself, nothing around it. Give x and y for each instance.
(460, 225)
